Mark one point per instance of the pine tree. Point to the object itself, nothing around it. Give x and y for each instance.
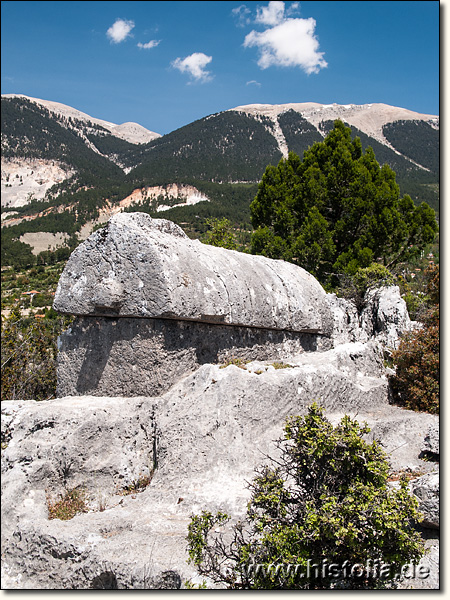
(337, 210)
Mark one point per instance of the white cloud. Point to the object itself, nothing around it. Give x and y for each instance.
(272, 14)
(293, 8)
(148, 45)
(120, 30)
(287, 42)
(253, 82)
(194, 65)
(241, 13)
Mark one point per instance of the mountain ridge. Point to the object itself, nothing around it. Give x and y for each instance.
(368, 118)
(66, 169)
(129, 131)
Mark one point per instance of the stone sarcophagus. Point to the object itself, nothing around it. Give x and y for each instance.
(153, 305)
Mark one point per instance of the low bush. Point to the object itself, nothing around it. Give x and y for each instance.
(415, 384)
(325, 502)
(28, 355)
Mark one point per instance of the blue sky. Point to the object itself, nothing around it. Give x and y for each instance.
(166, 64)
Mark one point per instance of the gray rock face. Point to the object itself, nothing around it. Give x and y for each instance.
(426, 488)
(386, 315)
(155, 306)
(431, 441)
(200, 442)
(384, 318)
(142, 267)
(135, 357)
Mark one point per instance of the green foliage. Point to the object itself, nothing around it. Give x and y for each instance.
(220, 234)
(15, 253)
(221, 148)
(326, 498)
(237, 362)
(30, 130)
(417, 140)
(28, 356)
(299, 133)
(355, 287)
(224, 147)
(415, 384)
(422, 185)
(337, 211)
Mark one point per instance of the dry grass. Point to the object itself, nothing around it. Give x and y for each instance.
(72, 503)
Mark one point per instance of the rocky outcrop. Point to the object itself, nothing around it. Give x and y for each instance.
(143, 267)
(25, 179)
(153, 306)
(173, 383)
(426, 488)
(431, 442)
(197, 445)
(164, 197)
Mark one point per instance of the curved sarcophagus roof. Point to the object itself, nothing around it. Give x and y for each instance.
(137, 266)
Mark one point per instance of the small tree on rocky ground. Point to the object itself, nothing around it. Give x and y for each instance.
(28, 355)
(355, 287)
(415, 384)
(322, 516)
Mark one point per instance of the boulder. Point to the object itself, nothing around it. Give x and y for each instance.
(137, 266)
(153, 306)
(426, 488)
(385, 315)
(384, 318)
(431, 441)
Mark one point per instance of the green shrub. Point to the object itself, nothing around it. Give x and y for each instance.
(326, 500)
(28, 356)
(415, 384)
(355, 287)
(220, 234)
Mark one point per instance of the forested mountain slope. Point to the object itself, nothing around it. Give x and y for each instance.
(62, 169)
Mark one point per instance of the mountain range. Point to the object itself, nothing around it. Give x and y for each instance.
(64, 171)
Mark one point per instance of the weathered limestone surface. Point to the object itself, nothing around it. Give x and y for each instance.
(426, 488)
(142, 267)
(205, 436)
(144, 392)
(431, 441)
(384, 318)
(154, 306)
(135, 357)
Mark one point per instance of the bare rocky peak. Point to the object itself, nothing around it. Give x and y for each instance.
(131, 132)
(368, 118)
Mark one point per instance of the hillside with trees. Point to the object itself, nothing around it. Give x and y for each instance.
(226, 147)
(223, 155)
